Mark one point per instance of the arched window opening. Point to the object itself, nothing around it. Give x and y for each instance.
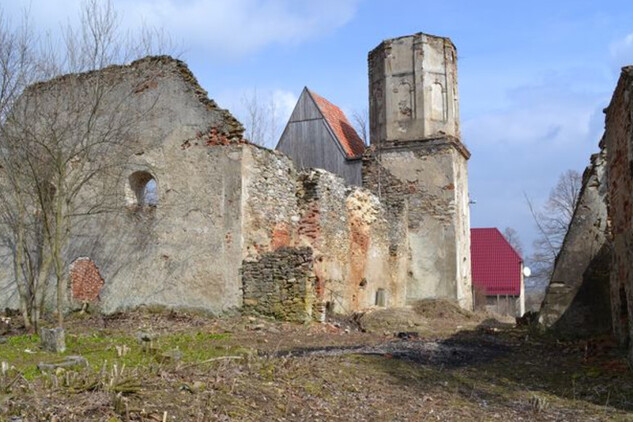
(150, 193)
(143, 189)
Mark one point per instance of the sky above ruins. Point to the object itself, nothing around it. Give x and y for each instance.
(534, 76)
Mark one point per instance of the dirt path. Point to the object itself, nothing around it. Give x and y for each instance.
(446, 353)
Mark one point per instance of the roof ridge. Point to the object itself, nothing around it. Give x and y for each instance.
(352, 145)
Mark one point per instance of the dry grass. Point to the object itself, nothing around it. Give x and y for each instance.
(231, 369)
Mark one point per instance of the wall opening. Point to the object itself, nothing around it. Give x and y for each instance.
(142, 189)
(329, 307)
(381, 298)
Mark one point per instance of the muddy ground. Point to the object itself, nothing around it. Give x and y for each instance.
(429, 362)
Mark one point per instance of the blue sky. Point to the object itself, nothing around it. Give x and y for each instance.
(533, 76)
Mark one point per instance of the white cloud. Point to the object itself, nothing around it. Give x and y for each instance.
(621, 52)
(543, 129)
(285, 102)
(549, 114)
(531, 126)
(229, 28)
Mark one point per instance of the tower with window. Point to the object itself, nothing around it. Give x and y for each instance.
(418, 163)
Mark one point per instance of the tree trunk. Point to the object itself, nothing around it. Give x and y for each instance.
(23, 291)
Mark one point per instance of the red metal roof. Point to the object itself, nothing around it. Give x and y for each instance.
(343, 130)
(496, 266)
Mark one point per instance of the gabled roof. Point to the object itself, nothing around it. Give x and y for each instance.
(344, 132)
(496, 266)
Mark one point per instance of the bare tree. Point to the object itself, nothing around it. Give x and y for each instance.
(360, 121)
(63, 146)
(261, 118)
(552, 223)
(512, 237)
(17, 70)
(17, 66)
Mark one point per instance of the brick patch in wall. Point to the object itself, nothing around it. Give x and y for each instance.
(85, 280)
(309, 224)
(281, 236)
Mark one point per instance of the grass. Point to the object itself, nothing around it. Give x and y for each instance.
(23, 351)
(220, 376)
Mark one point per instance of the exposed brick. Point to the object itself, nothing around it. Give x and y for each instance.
(281, 236)
(86, 281)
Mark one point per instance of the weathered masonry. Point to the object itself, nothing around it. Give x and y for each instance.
(618, 142)
(199, 218)
(577, 299)
(202, 219)
(417, 164)
(591, 289)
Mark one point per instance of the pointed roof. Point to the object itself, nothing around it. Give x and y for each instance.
(496, 266)
(344, 132)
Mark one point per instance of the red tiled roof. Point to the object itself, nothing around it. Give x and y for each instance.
(343, 130)
(496, 266)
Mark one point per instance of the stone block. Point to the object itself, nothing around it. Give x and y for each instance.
(69, 362)
(53, 340)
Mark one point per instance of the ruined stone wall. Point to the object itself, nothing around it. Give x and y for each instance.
(348, 230)
(619, 145)
(229, 221)
(269, 201)
(427, 184)
(183, 251)
(280, 284)
(577, 301)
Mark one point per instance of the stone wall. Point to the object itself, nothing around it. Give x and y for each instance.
(229, 221)
(418, 166)
(269, 201)
(185, 251)
(348, 230)
(577, 301)
(280, 284)
(599, 243)
(426, 183)
(618, 143)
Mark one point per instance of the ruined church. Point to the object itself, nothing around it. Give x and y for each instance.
(203, 219)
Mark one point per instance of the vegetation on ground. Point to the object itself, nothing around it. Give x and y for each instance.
(155, 366)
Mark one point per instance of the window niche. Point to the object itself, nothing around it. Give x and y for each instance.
(381, 298)
(142, 190)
